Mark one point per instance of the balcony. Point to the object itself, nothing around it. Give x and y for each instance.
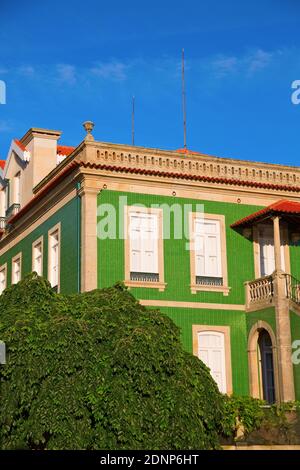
(292, 286)
(262, 292)
(12, 210)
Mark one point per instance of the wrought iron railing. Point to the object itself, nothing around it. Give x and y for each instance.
(12, 210)
(209, 281)
(144, 277)
(292, 286)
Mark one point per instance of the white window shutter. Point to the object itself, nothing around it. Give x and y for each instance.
(207, 248)
(135, 243)
(143, 243)
(211, 350)
(150, 254)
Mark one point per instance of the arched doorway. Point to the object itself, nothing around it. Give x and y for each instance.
(263, 368)
(266, 366)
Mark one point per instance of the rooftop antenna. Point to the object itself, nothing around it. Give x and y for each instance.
(183, 102)
(132, 121)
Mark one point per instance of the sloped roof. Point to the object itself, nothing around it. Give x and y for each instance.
(61, 149)
(277, 208)
(64, 149)
(20, 145)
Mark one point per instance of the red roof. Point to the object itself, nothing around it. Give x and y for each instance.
(61, 149)
(64, 150)
(277, 208)
(2, 163)
(19, 144)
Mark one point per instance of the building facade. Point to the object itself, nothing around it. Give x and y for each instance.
(213, 243)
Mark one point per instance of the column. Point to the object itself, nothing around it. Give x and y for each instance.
(277, 243)
(286, 387)
(89, 258)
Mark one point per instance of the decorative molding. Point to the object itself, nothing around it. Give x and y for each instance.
(152, 285)
(192, 305)
(209, 288)
(255, 378)
(122, 157)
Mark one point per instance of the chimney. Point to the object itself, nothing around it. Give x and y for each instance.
(42, 145)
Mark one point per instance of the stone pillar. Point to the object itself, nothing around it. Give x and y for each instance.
(277, 243)
(89, 257)
(286, 387)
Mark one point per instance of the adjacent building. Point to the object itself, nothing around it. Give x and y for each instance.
(213, 243)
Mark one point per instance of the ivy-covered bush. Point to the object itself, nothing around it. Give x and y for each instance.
(242, 411)
(99, 371)
(254, 421)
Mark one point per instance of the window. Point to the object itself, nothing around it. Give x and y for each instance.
(266, 250)
(3, 271)
(144, 247)
(54, 257)
(17, 188)
(2, 202)
(16, 269)
(208, 253)
(37, 256)
(211, 344)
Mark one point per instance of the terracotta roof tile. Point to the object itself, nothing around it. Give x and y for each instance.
(279, 207)
(64, 149)
(20, 145)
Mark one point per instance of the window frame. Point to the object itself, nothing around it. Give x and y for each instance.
(40, 240)
(13, 261)
(223, 253)
(17, 188)
(160, 284)
(4, 268)
(225, 330)
(2, 202)
(56, 228)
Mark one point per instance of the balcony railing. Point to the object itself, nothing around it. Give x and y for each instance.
(12, 210)
(292, 286)
(2, 223)
(259, 291)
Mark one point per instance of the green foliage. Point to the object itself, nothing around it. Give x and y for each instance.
(255, 415)
(99, 371)
(244, 410)
(277, 415)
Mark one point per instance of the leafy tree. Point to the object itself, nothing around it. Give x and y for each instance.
(99, 371)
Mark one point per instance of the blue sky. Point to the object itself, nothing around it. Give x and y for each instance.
(66, 62)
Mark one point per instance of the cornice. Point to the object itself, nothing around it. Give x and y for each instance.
(200, 167)
(181, 165)
(141, 162)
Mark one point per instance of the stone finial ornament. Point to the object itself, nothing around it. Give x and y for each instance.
(88, 126)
